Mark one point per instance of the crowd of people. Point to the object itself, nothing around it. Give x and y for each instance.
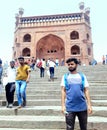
(75, 97)
(17, 75)
(15, 78)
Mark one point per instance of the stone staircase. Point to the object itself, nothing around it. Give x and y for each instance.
(43, 110)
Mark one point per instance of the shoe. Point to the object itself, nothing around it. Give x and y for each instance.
(24, 103)
(20, 106)
(10, 106)
(7, 106)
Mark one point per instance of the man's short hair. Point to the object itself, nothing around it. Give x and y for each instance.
(12, 62)
(21, 58)
(72, 59)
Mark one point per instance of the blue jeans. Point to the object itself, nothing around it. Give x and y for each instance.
(42, 70)
(21, 91)
(51, 69)
(70, 120)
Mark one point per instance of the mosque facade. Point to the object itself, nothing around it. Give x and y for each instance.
(58, 36)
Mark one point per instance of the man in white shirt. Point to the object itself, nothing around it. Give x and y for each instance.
(42, 68)
(51, 65)
(10, 86)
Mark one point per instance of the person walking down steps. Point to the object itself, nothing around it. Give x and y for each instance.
(22, 78)
(10, 86)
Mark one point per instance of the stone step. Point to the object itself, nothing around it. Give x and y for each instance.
(49, 102)
(58, 88)
(57, 85)
(43, 96)
(46, 111)
(43, 110)
(99, 80)
(98, 92)
(98, 84)
(32, 110)
(32, 122)
(34, 102)
(98, 97)
(26, 129)
(48, 122)
(57, 96)
(90, 77)
(99, 102)
(40, 92)
(57, 91)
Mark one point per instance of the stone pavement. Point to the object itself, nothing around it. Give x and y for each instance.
(43, 110)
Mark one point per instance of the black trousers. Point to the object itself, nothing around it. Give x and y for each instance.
(10, 89)
(51, 69)
(70, 120)
(42, 70)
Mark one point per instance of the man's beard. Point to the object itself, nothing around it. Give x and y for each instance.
(21, 63)
(72, 69)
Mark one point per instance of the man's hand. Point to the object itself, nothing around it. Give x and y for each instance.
(89, 109)
(63, 110)
(27, 81)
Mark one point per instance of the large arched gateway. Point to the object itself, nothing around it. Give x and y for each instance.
(54, 36)
(50, 46)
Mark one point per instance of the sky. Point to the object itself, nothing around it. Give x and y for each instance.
(8, 9)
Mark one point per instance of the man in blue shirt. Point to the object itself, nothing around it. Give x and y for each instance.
(74, 95)
(1, 72)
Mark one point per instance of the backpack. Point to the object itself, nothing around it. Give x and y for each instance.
(82, 77)
(39, 64)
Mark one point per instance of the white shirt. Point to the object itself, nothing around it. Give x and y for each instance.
(43, 64)
(11, 74)
(51, 64)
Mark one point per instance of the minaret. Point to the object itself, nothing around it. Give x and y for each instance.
(83, 9)
(18, 15)
(21, 11)
(81, 6)
(17, 19)
(87, 11)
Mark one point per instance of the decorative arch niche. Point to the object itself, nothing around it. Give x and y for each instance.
(26, 52)
(75, 50)
(27, 38)
(74, 35)
(50, 46)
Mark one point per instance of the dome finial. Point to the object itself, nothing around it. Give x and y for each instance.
(81, 6)
(21, 11)
(87, 10)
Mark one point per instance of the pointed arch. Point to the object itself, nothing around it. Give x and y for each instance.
(74, 35)
(26, 52)
(75, 50)
(50, 46)
(27, 38)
